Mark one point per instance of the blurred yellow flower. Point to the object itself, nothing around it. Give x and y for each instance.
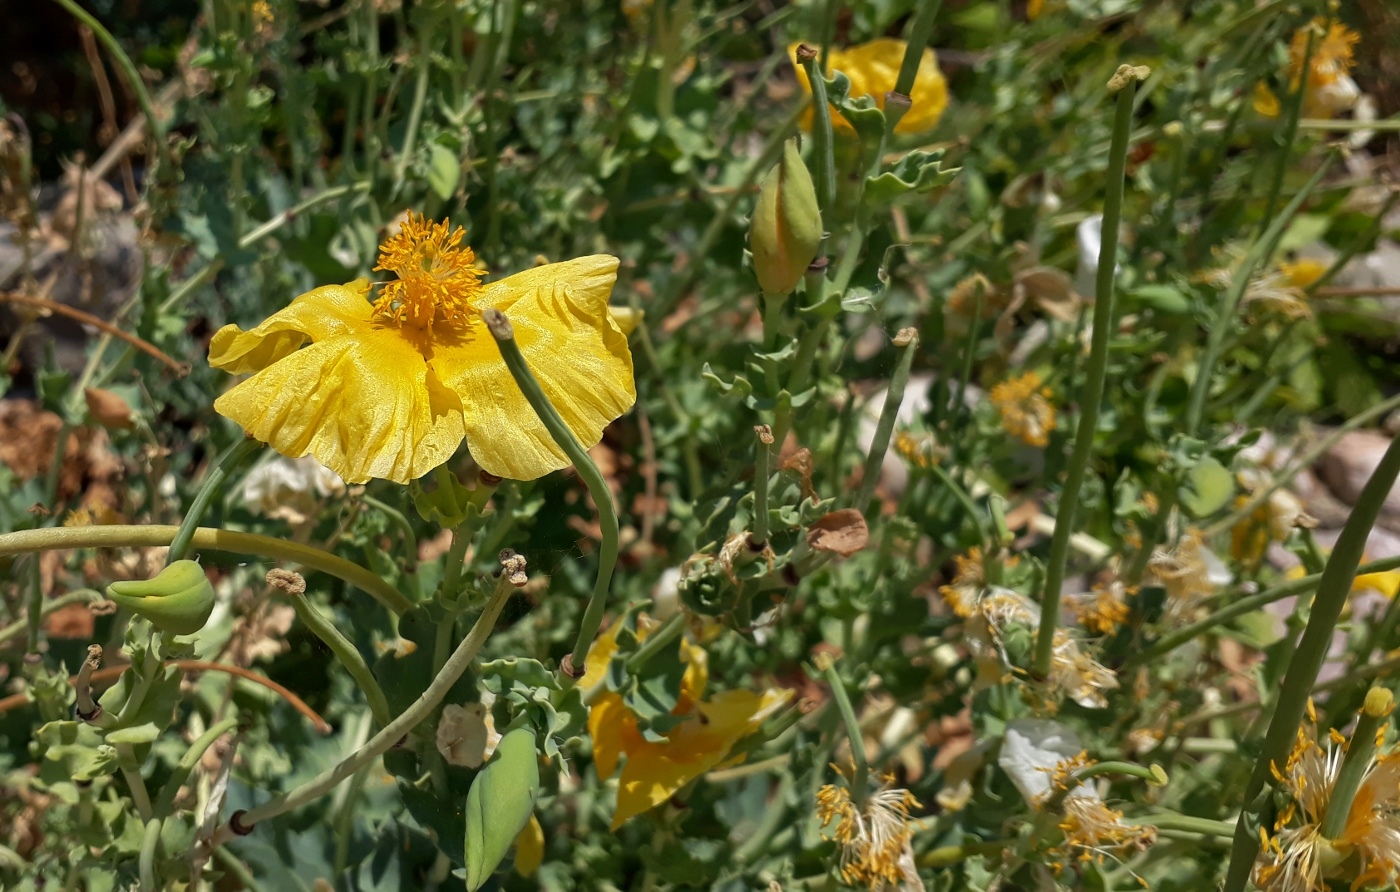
(1302, 273)
(389, 388)
(873, 69)
(1330, 88)
(656, 770)
(1026, 414)
(529, 848)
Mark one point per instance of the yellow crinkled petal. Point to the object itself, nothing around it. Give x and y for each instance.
(576, 351)
(655, 771)
(318, 315)
(365, 405)
(612, 727)
(873, 68)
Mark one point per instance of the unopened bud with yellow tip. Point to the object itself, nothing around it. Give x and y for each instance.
(1379, 703)
(786, 229)
(177, 600)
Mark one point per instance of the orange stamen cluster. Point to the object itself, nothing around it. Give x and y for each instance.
(437, 278)
(873, 843)
(1026, 413)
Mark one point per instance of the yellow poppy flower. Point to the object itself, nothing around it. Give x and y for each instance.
(873, 69)
(389, 388)
(656, 771)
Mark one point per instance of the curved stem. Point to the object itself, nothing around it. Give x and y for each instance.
(504, 334)
(393, 732)
(348, 655)
(138, 536)
(133, 77)
(146, 863)
(77, 596)
(166, 803)
(213, 483)
(1094, 376)
(853, 731)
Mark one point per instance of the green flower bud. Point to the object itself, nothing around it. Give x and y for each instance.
(786, 229)
(178, 599)
(500, 802)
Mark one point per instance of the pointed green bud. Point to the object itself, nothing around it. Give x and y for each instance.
(499, 804)
(178, 599)
(786, 229)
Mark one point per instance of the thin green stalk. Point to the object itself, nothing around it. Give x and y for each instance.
(1306, 460)
(1290, 130)
(393, 732)
(504, 334)
(1332, 591)
(213, 483)
(1239, 607)
(761, 473)
(1152, 774)
(657, 641)
(963, 498)
(1374, 714)
(920, 30)
(464, 535)
(1355, 245)
(133, 78)
(1188, 823)
(78, 596)
(908, 342)
(348, 655)
(165, 804)
(410, 539)
(146, 536)
(1225, 319)
(848, 719)
(56, 466)
(769, 825)
(277, 221)
(415, 114)
(1095, 373)
(822, 141)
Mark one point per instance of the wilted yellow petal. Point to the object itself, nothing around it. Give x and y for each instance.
(578, 354)
(319, 315)
(365, 405)
(656, 771)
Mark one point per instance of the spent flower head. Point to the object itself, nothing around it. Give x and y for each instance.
(874, 837)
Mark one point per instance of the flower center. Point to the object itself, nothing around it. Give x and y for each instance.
(436, 277)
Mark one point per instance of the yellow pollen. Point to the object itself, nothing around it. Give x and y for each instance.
(437, 279)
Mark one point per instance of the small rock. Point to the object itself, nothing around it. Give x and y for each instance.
(1347, 466)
